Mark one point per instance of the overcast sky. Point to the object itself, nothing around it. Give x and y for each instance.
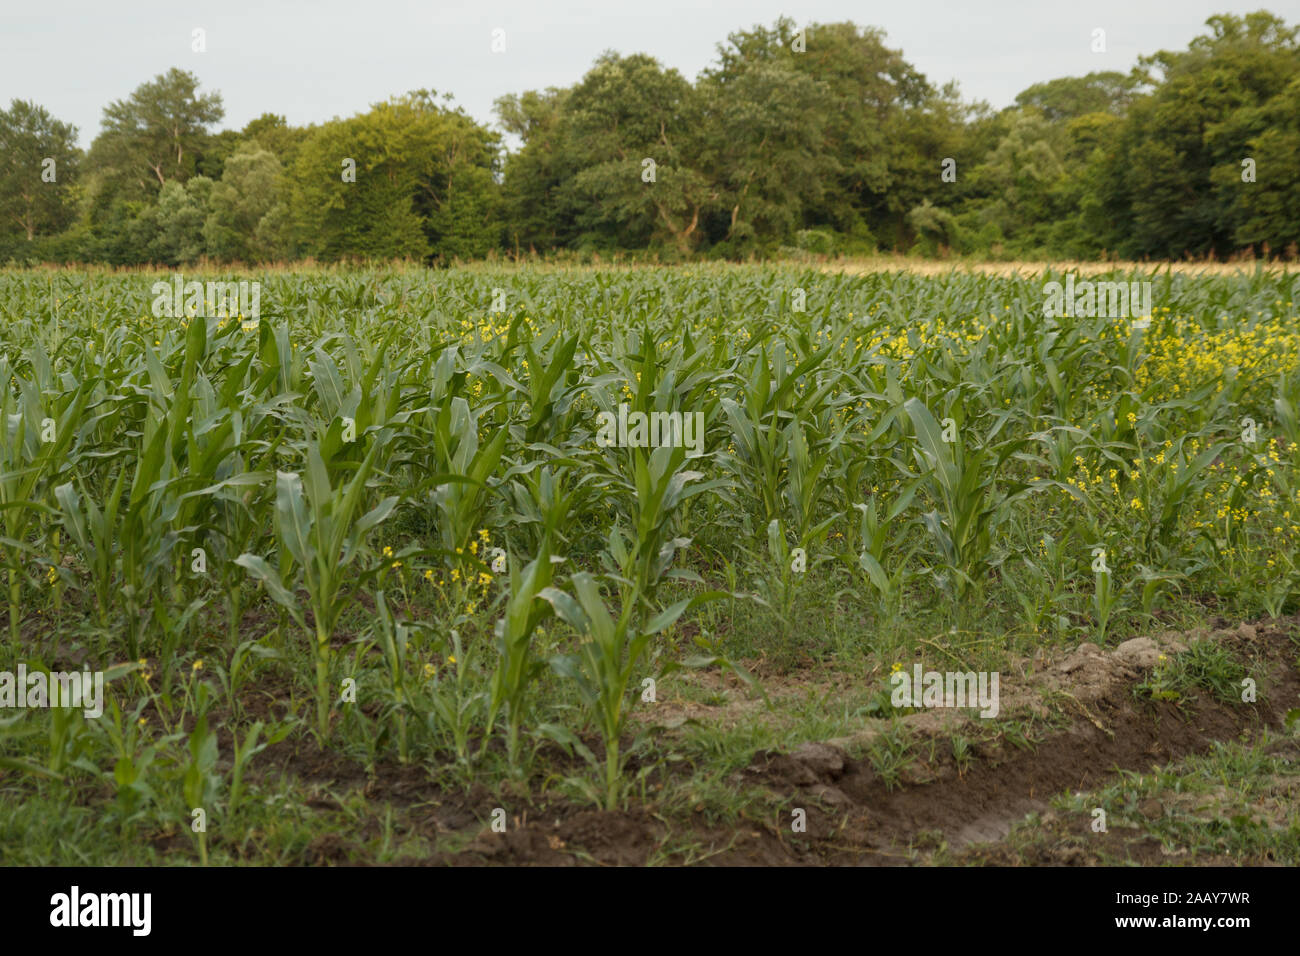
(312, 60)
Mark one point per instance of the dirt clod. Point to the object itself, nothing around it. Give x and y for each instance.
(1138, 652)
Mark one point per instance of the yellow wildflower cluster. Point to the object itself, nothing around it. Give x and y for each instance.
(1185, 356)
(493, 325)
(483, 580)
(1086, 481)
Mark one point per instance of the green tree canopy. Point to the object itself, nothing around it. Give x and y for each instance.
(39, 162)
(155, 135)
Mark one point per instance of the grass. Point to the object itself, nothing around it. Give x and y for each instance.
(1233, 806)
(1204, 665)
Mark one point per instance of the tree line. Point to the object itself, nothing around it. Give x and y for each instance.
(818, 140)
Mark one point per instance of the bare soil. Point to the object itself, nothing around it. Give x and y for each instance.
(1088, 725)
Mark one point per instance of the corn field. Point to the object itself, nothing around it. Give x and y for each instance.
(384, 502)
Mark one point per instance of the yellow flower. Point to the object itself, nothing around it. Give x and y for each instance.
(483, 535)
(451, 659)
(896, 668)
(430, 670)
(428, 575)
(196, 666)
(1135, 503)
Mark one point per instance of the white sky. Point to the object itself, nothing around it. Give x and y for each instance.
(311, 60)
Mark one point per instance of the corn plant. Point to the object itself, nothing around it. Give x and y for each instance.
(202, 782)
(873, 533)
(965, 486)
(393, 643)
(1104, 599)
(461, 469)
(34, 442)
(759, 425)
(319, 534)
(244, 751)
(138, 766)
(654, 497)
(93, 531)
(517, 667)
(610, 656)
(452, 704)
